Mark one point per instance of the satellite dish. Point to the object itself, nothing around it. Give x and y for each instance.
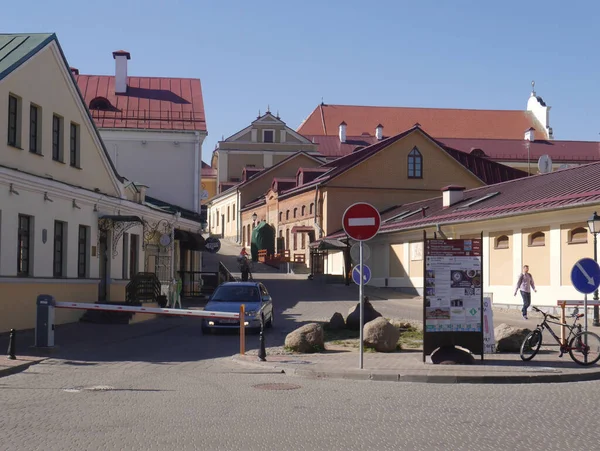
(545, 164)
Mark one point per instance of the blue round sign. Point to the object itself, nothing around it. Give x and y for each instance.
(585, 276)
(366, 274)
(212, 244)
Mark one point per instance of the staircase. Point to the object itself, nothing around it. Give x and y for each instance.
(144, 287)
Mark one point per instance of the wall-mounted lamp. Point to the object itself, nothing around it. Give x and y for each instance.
(75, 205)
(95, 207)
(254, 217)
(46, 198)
(11, 190)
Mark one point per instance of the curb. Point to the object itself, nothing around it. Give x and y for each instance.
(390, 376)
(10, 370)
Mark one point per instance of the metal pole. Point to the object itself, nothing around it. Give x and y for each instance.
(362, 304)
(242, 329)
(596, 319)
(585, 311)
(12, 343)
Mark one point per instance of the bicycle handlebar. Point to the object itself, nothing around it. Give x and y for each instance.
(545, 314)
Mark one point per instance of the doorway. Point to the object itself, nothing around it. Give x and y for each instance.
(103, 255)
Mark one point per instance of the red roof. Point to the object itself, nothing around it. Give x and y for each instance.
(487, 171)
(516, 149)
(331, 147)
(440, 122)
(150, 102)
(572, 187)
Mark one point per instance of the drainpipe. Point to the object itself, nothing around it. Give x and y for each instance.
(173, 275)
(238, 216)
(197, 172)
(321, 233)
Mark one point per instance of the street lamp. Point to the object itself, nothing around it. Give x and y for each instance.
(594, 226)
(254, 216)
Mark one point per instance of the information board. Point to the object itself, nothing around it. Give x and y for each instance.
(453, 294)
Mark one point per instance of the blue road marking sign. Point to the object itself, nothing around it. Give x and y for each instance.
(366, 274)
(585, 276)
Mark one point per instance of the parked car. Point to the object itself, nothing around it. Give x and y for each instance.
(229, 296)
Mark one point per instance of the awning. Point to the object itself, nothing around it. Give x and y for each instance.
(328, 244)
(189, 240)
(119, 218)
(302, 229)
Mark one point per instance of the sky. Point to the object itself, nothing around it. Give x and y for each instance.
(292, 55)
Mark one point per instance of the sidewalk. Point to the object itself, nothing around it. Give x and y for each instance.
(8, 367)
(407, 366)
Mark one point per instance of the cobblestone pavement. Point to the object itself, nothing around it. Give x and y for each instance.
(67, 405)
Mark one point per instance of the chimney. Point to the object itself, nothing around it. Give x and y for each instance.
(452, 194)
(343, 132)
(379, 132)
(74, 70)
(530, 134)
(121, 57)
(141, 195)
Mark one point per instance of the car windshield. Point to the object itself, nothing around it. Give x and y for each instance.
(232, 293)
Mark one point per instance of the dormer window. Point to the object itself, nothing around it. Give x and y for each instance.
(100, 103)
(268, 136)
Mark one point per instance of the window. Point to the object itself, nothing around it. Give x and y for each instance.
(295, 241)
(13, 121)
(295, 212)
(311, 209)
(537, 239)
(303, 210)
(287, 215)
(228, 207)
(24, 246)
(35, 118)
(74, 146)
(303, 241)
(415, 164)
(133, 255)
(578, 235)
(56, 138)
(280, 216)
(60, 242)
(268, 136)
(100, 103)
(125, 256)
(501, 242)
(82, 252)
(287, 239)
(233, 212)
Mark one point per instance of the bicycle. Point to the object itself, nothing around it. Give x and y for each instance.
(586, 343)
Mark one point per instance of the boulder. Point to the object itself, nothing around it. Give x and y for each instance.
(509, 338)
(306, 339)
(449, 355)
(336, 322)
(380, 335)
(353, 318)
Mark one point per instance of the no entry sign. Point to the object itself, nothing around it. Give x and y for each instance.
(361, 221)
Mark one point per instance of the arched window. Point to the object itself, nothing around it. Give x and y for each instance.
(287, 239)
(578, 235)
(287, 215)
(243, 233)
(537, 239)
(311, 209)
(303, 210)
(248, 235)
(101, 103)
(303, 241)
(501, 242)
(415, 164)
(295, 212)
(280, 216)
(295, 241)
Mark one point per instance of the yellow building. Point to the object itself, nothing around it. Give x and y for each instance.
(538, 221)
(70, 225)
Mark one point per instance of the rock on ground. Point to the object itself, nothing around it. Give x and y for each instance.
(337, 322)
(353, 318)
(380, 335)
(509, 338)
(306, 339)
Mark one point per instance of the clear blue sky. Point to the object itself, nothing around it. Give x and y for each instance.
(463, 54)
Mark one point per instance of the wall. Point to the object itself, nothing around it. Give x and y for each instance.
(537, 257)
(572, 252)
(165, 167)
(44, 81)
(237, 162)
(398, 262)
(219, 208)
(501, 260)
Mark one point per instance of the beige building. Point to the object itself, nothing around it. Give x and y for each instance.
(264, 143)
(70, 225)
(539, 221)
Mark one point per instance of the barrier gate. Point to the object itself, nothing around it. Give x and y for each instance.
(44, 325)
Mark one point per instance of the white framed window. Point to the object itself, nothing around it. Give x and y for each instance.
(268, 136)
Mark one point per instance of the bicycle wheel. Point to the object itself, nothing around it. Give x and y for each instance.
(531, 345)
(584, 348)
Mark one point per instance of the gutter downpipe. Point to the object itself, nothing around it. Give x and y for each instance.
(316, 222)
(197, 180)
(238, 216)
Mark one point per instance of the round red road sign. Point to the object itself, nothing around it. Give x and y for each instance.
(361, 221)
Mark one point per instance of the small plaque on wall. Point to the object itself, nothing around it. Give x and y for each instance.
(93, 251)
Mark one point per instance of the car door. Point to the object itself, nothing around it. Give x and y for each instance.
(267, 302)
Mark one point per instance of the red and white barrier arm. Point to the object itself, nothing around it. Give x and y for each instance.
(153, 310)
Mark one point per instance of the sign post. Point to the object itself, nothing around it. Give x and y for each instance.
(585, 277)
(361, 222)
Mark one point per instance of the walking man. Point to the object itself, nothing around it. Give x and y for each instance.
(525, 284)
